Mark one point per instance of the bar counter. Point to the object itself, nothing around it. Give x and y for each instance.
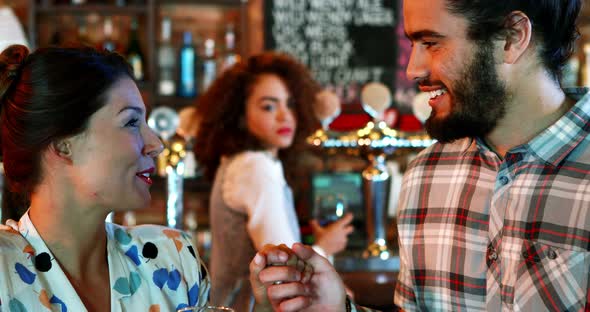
(371, 280)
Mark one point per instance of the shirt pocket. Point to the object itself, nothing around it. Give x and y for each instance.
(550, 278)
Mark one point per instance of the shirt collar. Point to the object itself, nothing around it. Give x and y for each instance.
(555, 143)
(60, 285)
(117, 264)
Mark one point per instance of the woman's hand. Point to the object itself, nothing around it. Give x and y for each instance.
(334, 237)
(280, 266)
(11, 225)
(284, 288)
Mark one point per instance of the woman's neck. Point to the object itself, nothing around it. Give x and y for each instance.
(75, 235)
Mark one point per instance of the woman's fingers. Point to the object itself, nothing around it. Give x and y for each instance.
(273, 274)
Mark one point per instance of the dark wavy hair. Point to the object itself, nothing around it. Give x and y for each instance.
(222, 109)
(47, 96)
(553, 22)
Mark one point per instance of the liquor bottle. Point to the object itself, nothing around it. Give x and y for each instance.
(56, 38)
(230, 56)
(83, 33)
(571, 72)
(586, 67)
(108, 43)
(188, 58)
(209, 65)
(134, 54)
(166, 61)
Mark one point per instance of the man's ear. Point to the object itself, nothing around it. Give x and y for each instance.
(518, 36)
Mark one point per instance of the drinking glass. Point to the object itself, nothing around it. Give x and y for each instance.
(329, 208)
(206, 309)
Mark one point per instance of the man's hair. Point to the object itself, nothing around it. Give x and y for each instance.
(553, 22)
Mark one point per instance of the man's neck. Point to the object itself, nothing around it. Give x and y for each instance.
(532, 109)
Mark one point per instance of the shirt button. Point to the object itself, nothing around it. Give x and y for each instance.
(504, 180)
(552, 254)
(493, 256)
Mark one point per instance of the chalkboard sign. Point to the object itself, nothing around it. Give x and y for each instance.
(344, 42)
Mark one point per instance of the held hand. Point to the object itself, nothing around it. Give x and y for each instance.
(323, 292)
(278, 267)
(334, 237)
(11, 226)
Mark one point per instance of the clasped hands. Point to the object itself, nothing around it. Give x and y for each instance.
(295, 279)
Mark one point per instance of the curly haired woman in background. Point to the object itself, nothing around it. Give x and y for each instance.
(253, 120)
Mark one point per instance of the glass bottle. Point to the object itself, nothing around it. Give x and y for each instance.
(166, 61)
(134, 55)
(230, 56)
(108, 43)
(586, 67)
(209, 65)
(83, 33)
(187, 86)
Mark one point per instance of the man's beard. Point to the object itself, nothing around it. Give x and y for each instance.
(479, 101)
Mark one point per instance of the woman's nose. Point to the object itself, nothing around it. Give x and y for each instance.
(285, 113)
(153, 145)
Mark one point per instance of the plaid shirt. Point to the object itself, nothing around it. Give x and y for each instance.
(478, 232)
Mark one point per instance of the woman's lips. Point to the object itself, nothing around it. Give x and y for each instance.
(145, 175)
(285, 131)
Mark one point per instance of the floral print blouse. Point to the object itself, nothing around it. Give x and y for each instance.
(151, 268)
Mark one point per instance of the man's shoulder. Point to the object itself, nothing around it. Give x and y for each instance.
(440, 150)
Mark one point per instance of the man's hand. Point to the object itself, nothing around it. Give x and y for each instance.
(281, 281)
(280, 268)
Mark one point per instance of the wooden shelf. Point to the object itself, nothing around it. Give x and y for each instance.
(197, 184)
(103, 9)
(149, 13)
(204, 2)
(175, 102)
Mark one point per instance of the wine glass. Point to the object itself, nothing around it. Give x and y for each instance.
(329, 208)
(206, 309)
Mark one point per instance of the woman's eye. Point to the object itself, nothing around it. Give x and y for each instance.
(268, 107)
(132, 123)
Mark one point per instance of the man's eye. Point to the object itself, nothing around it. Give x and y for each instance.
(428, 44)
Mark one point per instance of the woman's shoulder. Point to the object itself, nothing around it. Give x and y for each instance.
(154, 241)
(145, 233)
(253, 159)
(253, 165)
(11, 241)
(247, 174)
(161, 255)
